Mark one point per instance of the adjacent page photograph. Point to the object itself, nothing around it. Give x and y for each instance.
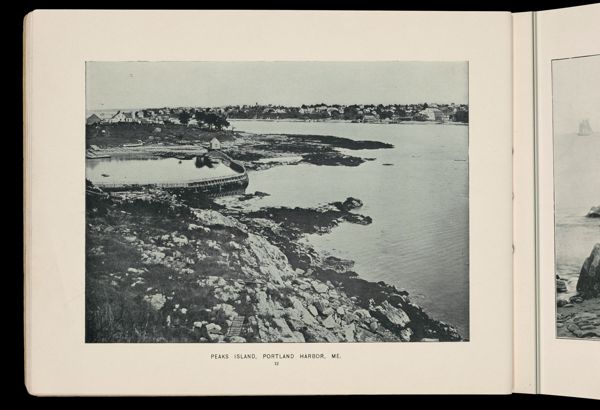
(568, 195)
(222, 203)
(576, 112)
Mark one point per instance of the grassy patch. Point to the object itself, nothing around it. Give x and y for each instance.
(112, 135)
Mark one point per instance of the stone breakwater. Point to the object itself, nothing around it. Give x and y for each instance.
(167, 267)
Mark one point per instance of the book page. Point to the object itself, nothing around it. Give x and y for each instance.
(524, 356)
(268, 203)
(568, 84)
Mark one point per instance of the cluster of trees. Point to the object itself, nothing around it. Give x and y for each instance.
(210, 119)
(461, 116)
(352, 112)
(214, 120)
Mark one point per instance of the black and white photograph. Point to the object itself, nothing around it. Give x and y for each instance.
(266, 202)
(576, 128)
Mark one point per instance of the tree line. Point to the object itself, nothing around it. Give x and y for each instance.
(209, 119)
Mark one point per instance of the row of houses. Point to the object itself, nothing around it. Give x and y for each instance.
(354, 112)
(357, 112)
(120, 116)
(139, 117)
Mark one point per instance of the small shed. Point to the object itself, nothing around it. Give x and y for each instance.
(215, 144)
(93, 119)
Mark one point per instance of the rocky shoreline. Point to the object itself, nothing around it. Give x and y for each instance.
(311, 149)
(258, 152)
(177, 266)
(167, 266)
(579, 316)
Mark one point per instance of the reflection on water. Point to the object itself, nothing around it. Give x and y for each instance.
(146, 171)
(418, 201)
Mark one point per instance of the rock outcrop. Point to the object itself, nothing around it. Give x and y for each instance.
(594, 212)
(580, 319)
(179, 273)
(588, 284)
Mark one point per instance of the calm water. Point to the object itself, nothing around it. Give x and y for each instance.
(577, 189)
(144, 171)
(419, 236)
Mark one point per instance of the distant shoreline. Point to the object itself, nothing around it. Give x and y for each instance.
(410, 122)
(350, 121)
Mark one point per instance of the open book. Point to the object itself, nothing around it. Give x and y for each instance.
(304, 202)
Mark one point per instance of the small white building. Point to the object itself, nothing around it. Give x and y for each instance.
(118, 117)
(373, 117)
(432, 114)
(215, 144)
(122, 117)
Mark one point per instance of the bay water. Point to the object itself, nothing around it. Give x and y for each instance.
(416, 193)
(576, 190)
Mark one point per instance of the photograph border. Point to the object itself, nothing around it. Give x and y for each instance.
(552, 73)
(468, 339)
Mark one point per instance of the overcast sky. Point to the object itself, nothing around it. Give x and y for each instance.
(576, 93)
(112, 85)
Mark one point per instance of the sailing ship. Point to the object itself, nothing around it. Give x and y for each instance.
(584, 128)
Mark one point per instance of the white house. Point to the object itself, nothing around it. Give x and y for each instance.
(129, 117)
(432, 114)
(370, 118)
(215, 144)
(122, 117)
(118, 117)
(334, 111)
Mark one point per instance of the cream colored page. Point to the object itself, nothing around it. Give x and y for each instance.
(523, 219)
(59, 44)
(568, 366)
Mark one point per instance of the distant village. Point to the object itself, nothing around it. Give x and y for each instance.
(216, 118)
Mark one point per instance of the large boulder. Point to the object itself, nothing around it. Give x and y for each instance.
(157, 301)
(301, 312)
(320, 287)
(265, 258)
(594, 212)
(264, 305)
(351, 203)
(224, 312)
(588, 284)
(329, 322)
(390, 316)
(338, 264)
(286, 334)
